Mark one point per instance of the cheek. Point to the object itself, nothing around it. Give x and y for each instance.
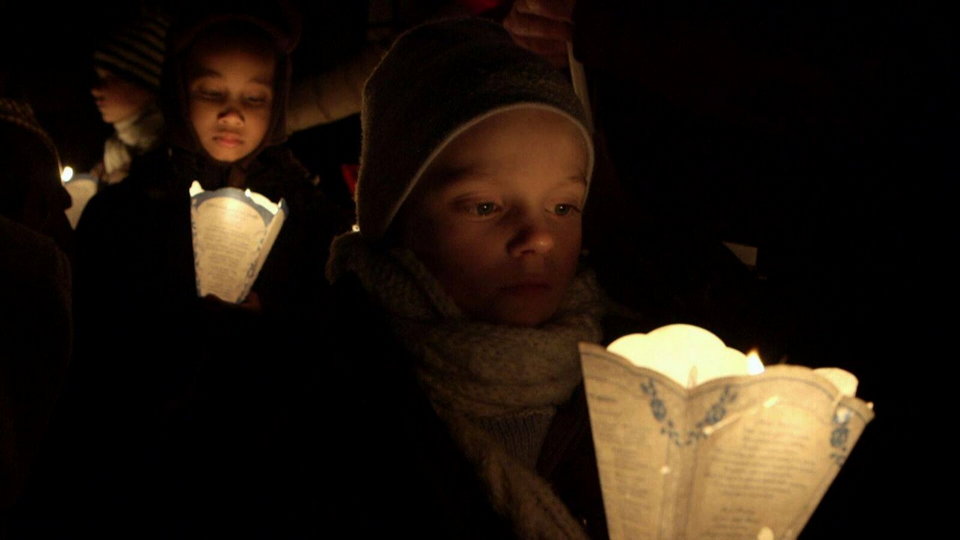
(129, 95)
(120, 102)
(569, 243)
(452, 252)
(198, 114)
(567, 250)
(468, 263)
(257, 123)
(463, 258)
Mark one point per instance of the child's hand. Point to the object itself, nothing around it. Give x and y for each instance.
(99, 171)
(543, 27)
(251, 304)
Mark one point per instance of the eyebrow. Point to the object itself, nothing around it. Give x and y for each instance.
(454, 174)
(443, 179)
(207, 72)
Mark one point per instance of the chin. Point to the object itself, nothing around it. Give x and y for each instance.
(224, 157)
(523, 315)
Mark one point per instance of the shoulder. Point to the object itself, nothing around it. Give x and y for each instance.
(355, 325)
(111, 204)
(145, 203)
(151, 174)
(568, 461)
(390, 435)
(278, 174)
(278, 165)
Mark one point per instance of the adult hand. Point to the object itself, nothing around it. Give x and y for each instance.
(542, 26)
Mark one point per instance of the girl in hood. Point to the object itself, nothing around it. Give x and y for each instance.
(174, 381)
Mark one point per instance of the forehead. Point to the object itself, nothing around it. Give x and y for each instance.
(512, 146)
(105, 75)
(215, 57)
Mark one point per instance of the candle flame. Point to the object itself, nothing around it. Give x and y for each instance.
(247, 192)
(66, 174)
(754, 364)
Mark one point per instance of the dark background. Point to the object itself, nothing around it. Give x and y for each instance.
(819, 132)
(823, 133)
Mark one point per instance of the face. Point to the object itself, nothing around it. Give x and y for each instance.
(231, 97)
(497, 216)
(118, 99)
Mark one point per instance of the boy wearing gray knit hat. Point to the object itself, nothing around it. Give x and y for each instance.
(436, 81)
(475, 165)
(442, 88)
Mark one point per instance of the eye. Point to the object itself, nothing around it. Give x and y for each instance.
(209, 94)
(485, 208)
(257, 100)
(564, 209)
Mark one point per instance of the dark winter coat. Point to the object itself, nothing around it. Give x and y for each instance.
(392, 464)
(35, 346)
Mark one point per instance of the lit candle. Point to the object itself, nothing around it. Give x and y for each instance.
(687, 354)
(754, 364)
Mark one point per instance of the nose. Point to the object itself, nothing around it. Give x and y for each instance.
(96, 91)
(230, 117)
(532, 236)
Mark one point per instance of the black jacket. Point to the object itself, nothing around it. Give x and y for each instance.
(165, 385)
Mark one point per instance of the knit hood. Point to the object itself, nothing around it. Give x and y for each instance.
(284, 31)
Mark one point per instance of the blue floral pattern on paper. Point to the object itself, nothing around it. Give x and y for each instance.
(839, 435)
(715, 414)
(658, 408)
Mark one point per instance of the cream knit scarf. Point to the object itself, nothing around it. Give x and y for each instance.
(132, 137)
(471, 369)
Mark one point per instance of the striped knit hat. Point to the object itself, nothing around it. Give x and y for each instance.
(135, 51)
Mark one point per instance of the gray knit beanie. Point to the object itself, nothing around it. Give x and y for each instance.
(437, 80)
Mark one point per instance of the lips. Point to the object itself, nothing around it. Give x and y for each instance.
(228, 140)
(530, 287)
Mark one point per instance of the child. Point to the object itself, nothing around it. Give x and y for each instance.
(464, 297)
(167, 383)
(127, 66)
